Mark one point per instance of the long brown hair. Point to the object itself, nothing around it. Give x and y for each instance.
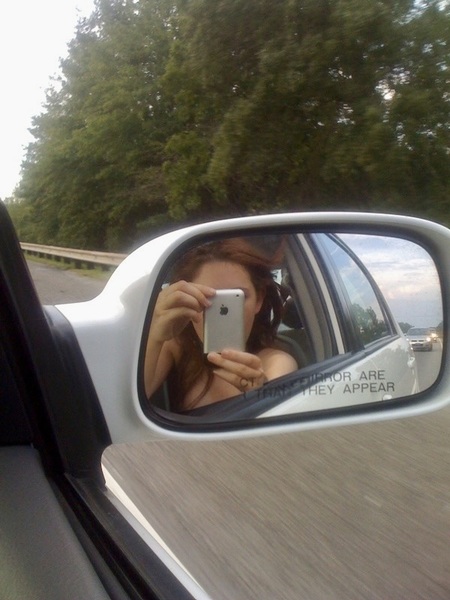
(193, 364)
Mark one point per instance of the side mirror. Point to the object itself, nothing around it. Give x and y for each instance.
(354, 332)
(352, 326)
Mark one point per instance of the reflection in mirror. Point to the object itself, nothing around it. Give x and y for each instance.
(326, 321)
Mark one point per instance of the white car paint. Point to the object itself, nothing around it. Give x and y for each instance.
(372, 379)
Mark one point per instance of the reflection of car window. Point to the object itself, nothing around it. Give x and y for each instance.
(364, 305)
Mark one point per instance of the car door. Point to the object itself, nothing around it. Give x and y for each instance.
(369, 323)
(359, 348)
(61, 536)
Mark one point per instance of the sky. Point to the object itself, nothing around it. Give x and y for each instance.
(405, 273)
(33, 37)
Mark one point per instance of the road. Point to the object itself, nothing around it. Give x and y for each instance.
(428, 365)
(59, 286)
(356, 512)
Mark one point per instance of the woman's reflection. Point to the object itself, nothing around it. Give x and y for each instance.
(175, 343)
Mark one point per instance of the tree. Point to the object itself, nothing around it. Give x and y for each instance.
(170, 111)
(405, 327)
(302, 103)
(93, 174)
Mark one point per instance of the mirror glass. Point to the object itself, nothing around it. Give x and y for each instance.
(268, 325)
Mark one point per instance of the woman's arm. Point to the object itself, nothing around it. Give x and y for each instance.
(159, 360)
(177, 305)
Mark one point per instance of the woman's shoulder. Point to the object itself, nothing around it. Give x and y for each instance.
(277, 362)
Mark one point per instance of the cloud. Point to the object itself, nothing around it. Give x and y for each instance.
(406, 275)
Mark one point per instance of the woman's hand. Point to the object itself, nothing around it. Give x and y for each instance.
(177, 305)
(243, 370)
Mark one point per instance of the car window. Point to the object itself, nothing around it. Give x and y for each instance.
(366, 311)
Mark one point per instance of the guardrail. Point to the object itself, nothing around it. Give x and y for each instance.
(79, 258)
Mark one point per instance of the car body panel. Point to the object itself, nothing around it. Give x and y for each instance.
(372, 378)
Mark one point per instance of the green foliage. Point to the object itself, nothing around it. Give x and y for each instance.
(370, 327)
(298, 102)
(405, 327)
(93, 175)
(172, 111)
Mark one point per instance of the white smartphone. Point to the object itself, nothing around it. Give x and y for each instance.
(223, 322)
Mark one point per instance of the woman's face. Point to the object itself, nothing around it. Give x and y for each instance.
(222, 275)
